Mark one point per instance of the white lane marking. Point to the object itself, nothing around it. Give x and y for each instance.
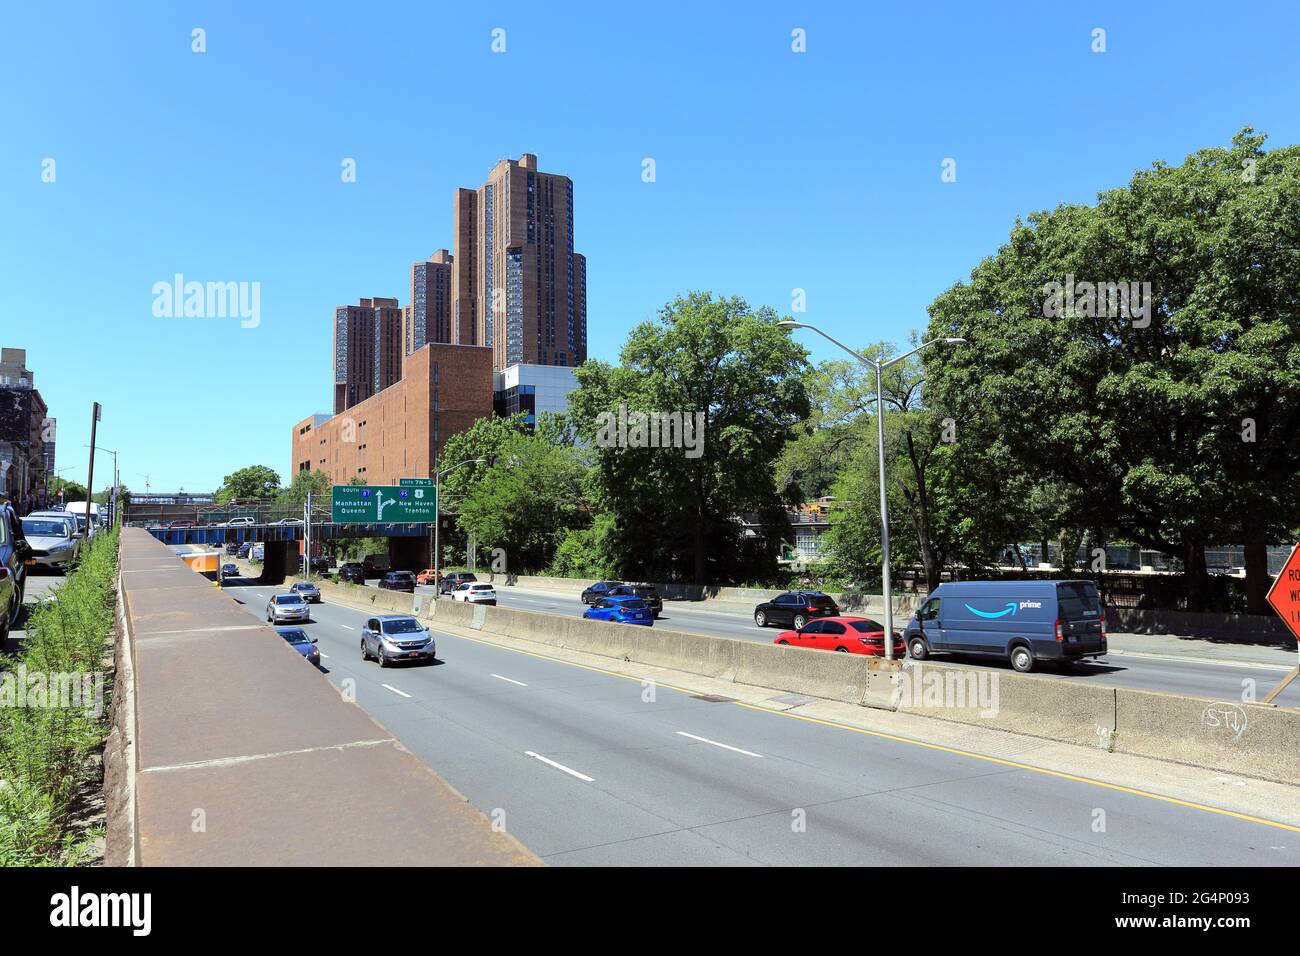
(511, 680)
(325, 657)
(348, 626)
(706, 740)
(559, 766)
(395, 690)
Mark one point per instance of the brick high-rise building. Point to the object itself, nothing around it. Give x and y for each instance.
(368, 352)
(517, 284)
(428, 317)
(400, 432)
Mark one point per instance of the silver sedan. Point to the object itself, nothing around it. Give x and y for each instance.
(287, 607)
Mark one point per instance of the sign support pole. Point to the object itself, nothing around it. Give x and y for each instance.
(1287, 605)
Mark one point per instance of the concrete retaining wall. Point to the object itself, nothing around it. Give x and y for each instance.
(1243, 628)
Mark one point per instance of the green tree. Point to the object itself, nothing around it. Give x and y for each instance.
(529, 494)
(737, 381)
(317, 482)
(1175, 426)
(255, 481)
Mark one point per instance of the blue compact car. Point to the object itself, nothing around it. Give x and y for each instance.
(301, 642)
(621, 610)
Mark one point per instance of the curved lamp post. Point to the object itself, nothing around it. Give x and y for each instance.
(879, 367)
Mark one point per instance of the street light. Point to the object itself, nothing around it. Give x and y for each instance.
(116, 483)
(437, 502)
(879, 366)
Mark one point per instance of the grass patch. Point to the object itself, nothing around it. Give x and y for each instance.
(45, 743)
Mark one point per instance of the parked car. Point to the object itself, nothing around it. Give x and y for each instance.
(620, 610)
(454, 579)
(288, 521)
(14, 551)
(352, 572)
(428, 576)
(308, 591)
(599, 590)
(229, 571)
(54, 541)
(795, 609)
(301, 642)
(852, 635)
(287, 607)
(475, 592)
(181, 523)
(398, 581)
(646, 592)
(1020, 621)
(241, 522)
(396, 637)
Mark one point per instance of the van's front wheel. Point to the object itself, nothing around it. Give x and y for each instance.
(918, 649)
(1022, 659)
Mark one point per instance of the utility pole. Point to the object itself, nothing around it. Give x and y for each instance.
(90, 470)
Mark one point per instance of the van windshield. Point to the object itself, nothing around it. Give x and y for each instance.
(1079, 600)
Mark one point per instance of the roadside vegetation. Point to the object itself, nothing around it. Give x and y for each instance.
(46, 750)
(1161, 419)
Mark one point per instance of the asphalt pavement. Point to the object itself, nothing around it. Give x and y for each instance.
(40, 585)
(587, 767)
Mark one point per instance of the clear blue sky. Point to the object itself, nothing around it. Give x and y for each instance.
(775, 170)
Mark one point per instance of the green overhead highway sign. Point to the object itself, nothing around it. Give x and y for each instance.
(365, 504)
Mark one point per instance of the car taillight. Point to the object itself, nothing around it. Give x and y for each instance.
(811, 609)
(1060, 631)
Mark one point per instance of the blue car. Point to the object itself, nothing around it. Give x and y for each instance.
(301, 642)
(621, 610)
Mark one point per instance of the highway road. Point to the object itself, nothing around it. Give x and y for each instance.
(577, 764)
(1221, 680)
(40, 584)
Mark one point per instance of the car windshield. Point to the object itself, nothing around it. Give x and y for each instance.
(402, 625)
(287, 599)
(296, 636)
(820, 600)
(866, 627)
(633, 604)
(52, 527)
(304, 587)
(480, 587)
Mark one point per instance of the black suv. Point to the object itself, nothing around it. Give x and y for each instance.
(454, 579)
(645, 592)
(352, 572)
(599, 590)
(795, 609)
(398, 581)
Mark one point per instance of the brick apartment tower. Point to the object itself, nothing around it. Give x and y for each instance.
(517, 284)
(428, 317)
(368, 352)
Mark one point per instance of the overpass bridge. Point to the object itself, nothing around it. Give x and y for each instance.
(409, 544)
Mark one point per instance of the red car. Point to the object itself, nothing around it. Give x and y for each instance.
(850, 635)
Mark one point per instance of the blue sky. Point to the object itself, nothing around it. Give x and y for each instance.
(774, 170)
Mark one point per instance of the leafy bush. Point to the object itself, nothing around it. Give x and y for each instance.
(45, 750)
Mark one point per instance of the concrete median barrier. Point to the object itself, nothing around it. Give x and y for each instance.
(1077, 713)
(1236, 737)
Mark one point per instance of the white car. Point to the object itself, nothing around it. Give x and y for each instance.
(287, 521)
(475, 592)
(244, 522)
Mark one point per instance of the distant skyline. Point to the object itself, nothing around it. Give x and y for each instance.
(773, 171)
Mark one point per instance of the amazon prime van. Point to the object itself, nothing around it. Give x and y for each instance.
(1020, 621)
